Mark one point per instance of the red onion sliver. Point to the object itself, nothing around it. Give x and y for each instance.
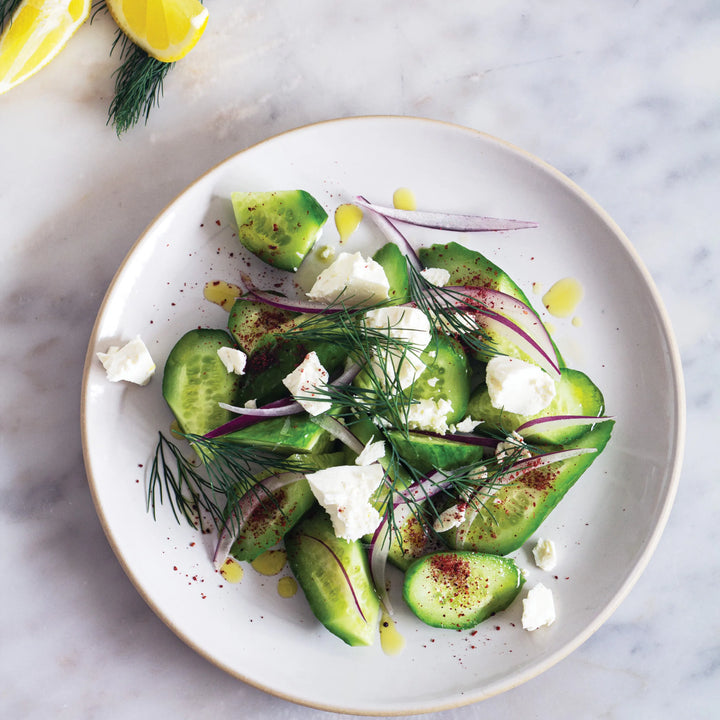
(392, 234)
(339, 431)
(455, 222)
(247, 505)
(557, 422)
(291, 408)
(244, 421)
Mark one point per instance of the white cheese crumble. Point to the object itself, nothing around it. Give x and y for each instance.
(344, 491)
(131, 362)
(233, 359)
(351, 279)
(517, 386)
(538, 608)
(545, 555)
(371, 453)
(432, 415)
(411, 327)
(466, 425)
(450, 518)
(305, 380)
(251, 404)
(436, 276)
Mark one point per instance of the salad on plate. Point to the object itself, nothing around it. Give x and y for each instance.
(409, 409)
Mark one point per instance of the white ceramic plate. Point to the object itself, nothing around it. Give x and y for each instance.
(605, 529)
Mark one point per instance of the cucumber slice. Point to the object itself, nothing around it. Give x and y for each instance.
(279, 227)
(276, 516)
(284, 435)
(427, 453)
(517, 509)
(395, 266)
(195, 381)
(575, 394)
(250, 322)
(335, 578)
(460, 589)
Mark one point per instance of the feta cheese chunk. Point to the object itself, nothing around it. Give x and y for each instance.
(371, 453)
(411, 327)
(436, 276)
(351, 279)
(538, 608)
(304, 381)
(517, 386)
(544, 554)
(233, 359)
(131, 362)
(344, 491)
(466, 426)
(432, 415)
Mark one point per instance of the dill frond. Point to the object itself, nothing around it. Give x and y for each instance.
(138, 84)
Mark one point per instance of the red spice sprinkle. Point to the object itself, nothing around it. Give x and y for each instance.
(217, 222)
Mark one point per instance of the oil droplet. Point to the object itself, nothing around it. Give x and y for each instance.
(391, 641)
(271, 562)
(222, 293)
(287, 587)
(347, 218)
(232, 571)
(550, 328)
(537, 288)
(563, 297)
(577, 321)
(326, 253)
(404, 199)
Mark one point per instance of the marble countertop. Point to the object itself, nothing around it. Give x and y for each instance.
(622, 96)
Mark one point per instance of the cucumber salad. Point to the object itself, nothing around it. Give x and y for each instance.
(410, 409)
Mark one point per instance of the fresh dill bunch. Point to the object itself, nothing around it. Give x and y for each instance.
(379, 356)
(138, 84)
(212, 483)
(448, 311)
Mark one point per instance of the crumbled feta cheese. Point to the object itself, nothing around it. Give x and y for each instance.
(305, 380)
(538, 608)
(371, 453)
(131, 362)
(233, 359)
(513, 446)
(436, 276)
(344, 491)
(544, 554)
(326, 252)
(432, 382)
(517, 386)
(411, 327)
(466, 426)
(351, 279)
(427, 414)
(251, 404)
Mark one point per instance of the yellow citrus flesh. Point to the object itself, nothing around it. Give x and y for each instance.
(37, 32)
(166, 29)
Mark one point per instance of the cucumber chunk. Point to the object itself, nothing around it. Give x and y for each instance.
(285, 435)
(335, 578)
(195, 381)
(279, 227)
(517, 509)
(395, 266)
(575, 394)
(460, 589)
(427, 453)
(275, 516)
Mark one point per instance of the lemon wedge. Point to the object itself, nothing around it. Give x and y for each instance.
(37, 32)
(166, 29)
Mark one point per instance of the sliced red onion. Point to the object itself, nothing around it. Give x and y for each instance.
(339, 431)
(455, 222)
(247, 505)
(392, 233)
(377, 556)
(464, 438)
(344, 572)
(247, 419)
(532, 463)
(510, 307)
(550, 423)
(283, 303)
(291, 408)
(507, 329)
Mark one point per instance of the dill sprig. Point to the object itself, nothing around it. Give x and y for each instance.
(214, 481)
(449, 312)
(138, 84)
(7, 8)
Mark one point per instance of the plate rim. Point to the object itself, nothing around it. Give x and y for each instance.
(678, 441)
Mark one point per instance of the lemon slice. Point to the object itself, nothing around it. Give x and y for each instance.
(166, 29)
(37, 32)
